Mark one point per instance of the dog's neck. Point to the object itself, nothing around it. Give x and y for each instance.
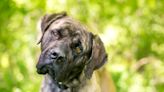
(80, 84)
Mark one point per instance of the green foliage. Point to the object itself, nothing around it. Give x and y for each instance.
(132, 31)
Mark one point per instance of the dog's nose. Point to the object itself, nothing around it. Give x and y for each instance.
(57, 57)
(42, 65)
(41, 69)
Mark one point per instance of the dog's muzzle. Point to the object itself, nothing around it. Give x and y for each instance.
(46, 61)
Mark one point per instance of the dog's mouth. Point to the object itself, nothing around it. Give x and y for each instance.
(47, 70)
(56, 74)
(62, 72)
(46, 65)
(42, 71)
(61, 83)
(60, 80)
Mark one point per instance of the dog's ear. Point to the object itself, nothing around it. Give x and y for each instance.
(98, 56)
(48, 19)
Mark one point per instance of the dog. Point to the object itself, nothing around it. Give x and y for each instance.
(69, 55)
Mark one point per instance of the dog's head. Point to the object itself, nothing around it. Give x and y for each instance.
(68, 49)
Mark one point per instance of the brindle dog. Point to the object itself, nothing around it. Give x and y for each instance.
(69, 55)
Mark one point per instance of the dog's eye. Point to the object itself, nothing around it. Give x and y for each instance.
(78, 48)
(55, 34)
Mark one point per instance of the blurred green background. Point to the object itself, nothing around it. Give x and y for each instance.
(132, 31)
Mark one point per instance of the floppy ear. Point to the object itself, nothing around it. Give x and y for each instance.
(98, 56)
(48, 19)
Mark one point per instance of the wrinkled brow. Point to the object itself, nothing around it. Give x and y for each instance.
(68, 27)
(61, 31)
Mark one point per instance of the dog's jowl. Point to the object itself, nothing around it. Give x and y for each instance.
(69, 55)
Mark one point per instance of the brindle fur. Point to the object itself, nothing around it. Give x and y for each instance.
(69, 55)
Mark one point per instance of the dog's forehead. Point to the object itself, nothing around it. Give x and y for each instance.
(73, 27)
(57, 24)
(67, 23)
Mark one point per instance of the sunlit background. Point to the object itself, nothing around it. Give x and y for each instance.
(132, 31)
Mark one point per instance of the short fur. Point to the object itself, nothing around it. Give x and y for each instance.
(70, 54)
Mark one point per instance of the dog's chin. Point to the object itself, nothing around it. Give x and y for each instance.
(58, 79)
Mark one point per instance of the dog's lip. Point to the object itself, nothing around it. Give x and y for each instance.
(42, 71)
